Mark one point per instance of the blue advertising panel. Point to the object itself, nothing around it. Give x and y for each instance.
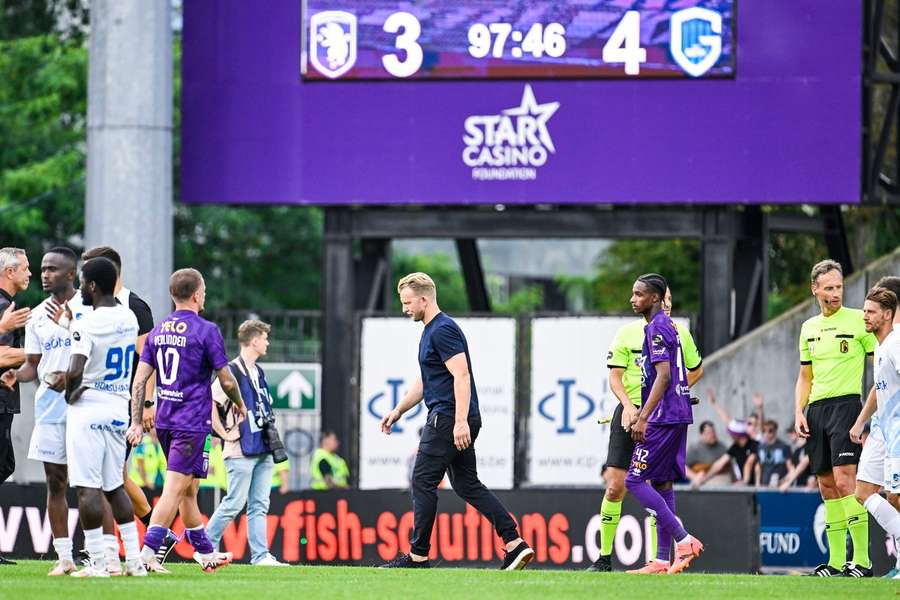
(792, 532)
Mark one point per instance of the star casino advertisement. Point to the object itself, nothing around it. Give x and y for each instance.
(331, 102)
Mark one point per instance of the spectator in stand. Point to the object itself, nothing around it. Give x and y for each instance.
(702, 455)
(800, 475)
(775, 460)
(752, 421)
(741, 456)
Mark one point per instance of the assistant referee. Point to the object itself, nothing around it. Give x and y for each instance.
(833, 349)
(451, 428)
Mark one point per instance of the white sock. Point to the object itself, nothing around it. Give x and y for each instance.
(897, 551)
(63, 547)
(147, 554)
(129, 534)
(684, 541)
(95, 546)
(112, 546)
(886, 515)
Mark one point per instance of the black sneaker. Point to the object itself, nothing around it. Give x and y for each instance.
(6, 561)
(83, 558)
(854, 570)
(517, 558)
(601, 565)
(405, 561)
(166, 547)
(826, 570)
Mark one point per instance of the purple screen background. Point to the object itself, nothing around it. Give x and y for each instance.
(786, 129)
(445, 43)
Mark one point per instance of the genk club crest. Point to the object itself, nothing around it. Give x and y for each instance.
(696, 39)
(332, 42)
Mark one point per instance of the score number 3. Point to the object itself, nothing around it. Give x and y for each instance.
(406, 41)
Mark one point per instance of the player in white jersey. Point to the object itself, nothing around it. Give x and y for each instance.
(880, 461)
(46, 359)
(98, 386)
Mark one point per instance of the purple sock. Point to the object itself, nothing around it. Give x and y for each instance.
(663, 537)
(154, 537)
(651, 500)
(199, 540)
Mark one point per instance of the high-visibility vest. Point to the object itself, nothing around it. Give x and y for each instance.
(339, 471)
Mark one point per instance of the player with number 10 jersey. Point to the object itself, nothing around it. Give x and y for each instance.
(185, 349)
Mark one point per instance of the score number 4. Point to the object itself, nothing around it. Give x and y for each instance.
(624, 45)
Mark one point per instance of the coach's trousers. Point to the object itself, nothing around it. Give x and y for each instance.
(438, 455)
(7, 458)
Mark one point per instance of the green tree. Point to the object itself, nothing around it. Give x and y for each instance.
(43, 94)
(624, 260)
(451, 288)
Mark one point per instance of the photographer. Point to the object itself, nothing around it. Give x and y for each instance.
(250, 448)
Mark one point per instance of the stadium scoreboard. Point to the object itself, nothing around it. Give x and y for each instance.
(506, 39)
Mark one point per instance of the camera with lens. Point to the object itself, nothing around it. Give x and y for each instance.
(273, 439)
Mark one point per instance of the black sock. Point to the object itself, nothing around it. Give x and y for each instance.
(146, 519)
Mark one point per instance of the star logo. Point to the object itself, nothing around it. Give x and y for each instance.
(542, 112)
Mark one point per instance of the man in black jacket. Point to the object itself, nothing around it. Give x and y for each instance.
(14, 278)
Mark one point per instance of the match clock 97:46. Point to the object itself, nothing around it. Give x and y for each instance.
(346, 40)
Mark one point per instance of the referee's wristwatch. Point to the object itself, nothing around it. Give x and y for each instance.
(149, 404)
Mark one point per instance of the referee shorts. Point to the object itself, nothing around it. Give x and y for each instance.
(829, 444)
(621, 446)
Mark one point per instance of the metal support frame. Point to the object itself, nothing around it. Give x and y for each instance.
(473, 274)
(734, 269)
(881, 76)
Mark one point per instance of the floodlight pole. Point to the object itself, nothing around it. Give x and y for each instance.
(129, 142)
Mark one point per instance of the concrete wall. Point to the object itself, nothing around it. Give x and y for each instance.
(767, 360)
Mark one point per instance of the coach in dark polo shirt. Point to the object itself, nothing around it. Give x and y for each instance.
(448, 388)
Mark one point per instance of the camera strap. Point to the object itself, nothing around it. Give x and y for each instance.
(253, 376)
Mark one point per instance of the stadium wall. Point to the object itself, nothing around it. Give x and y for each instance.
(767, 359)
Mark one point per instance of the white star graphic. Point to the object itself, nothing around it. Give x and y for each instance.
(543, 112)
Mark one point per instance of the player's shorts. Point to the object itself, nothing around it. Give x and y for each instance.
(871, 462)
(621, 446)
(892, 475)
(186, 452)
(660, 457)
(48, 443)
(95, 445)
(829, 444)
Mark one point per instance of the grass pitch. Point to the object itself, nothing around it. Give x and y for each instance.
(29, 580)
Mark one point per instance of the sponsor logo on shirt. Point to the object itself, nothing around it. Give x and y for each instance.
(173, 326)
(108, 428)
(56, 342)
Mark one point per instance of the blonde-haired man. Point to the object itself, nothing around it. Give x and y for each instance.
(448, 388)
